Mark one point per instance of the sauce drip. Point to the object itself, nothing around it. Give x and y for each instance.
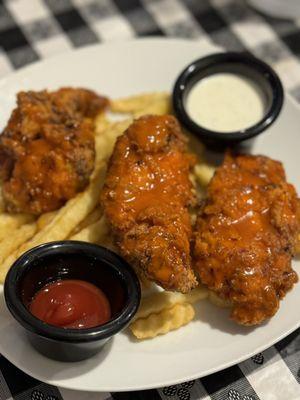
(71, 304)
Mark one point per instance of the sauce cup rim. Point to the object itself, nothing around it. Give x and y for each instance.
(34, 325)
(199, 65)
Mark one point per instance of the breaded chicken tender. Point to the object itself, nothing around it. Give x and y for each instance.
(47, 149)
(146, 197)
(245, 236)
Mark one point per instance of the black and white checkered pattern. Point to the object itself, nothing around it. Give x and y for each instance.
(35, 29)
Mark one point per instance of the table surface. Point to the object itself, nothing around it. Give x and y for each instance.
(34, 29)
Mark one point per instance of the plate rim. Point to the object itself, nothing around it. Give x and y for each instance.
(202, 40)
(39, 63)
(125, 42)
(167, 383)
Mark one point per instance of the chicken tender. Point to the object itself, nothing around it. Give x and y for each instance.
(47, 149)
(146, 197)
(245, 236)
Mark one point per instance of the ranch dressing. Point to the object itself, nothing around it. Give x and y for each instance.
(226, 102)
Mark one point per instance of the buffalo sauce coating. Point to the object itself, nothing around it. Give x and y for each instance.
(245, 235)
(47, 148)
(146, 197)
(71, 304)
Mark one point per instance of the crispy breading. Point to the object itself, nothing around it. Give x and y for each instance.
(245, 236)
(146, 197)
(47, 149)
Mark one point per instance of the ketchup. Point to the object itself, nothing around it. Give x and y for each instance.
(71, 303)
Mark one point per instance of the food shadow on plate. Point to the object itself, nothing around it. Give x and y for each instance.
(58, 370)
(219, 318)
(51, 369)
(215, 156)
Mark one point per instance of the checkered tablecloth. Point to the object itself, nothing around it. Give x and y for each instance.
(34, 29)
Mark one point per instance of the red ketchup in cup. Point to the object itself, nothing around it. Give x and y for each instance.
(71, 303)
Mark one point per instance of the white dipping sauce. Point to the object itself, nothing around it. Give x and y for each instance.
(226, 102)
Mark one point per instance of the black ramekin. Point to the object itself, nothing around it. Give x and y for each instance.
(71, 260)
(232, 62)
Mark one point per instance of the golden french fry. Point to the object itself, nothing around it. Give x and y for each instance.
(132, 104)
(93, 233)
(16, 238)
(101, 123)
(159, 107)
(11, 243)
(159, 301)
(93, 217)
(217, 301)
(73, 212)
(105, 142)
(193, 179)
(204, 173)
(9, 222)
(45, 219)
(163, 322)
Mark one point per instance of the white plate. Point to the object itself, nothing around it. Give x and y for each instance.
(210, 343)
